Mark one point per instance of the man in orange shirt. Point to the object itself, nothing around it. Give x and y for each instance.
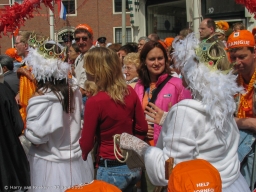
(242, 54)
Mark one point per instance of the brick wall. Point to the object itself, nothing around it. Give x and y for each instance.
(96, 13)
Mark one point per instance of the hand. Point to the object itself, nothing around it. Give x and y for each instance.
(246, 123)
(150, 134)
(25, 72)
(155, 112)
(130, 142)
(17, 98)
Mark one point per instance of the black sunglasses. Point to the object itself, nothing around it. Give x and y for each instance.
(77, 39)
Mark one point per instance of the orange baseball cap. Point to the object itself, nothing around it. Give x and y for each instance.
(163, 43)
(194, 175)
(86, 27)
(242, 38)
(168, 41)
(12, 52)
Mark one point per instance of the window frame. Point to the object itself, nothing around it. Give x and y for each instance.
(114, 34)
(18, 1)
(114, 12)
(75, 14)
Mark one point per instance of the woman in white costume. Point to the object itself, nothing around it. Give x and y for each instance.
(53, 124)
(199, 128)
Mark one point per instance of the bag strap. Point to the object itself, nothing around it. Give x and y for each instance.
(116, 138)
(159, 88)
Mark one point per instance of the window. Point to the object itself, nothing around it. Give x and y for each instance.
(118, 35)
(19, 1)
(70, 6)
(118, 6)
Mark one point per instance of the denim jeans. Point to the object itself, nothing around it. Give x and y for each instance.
(120, 176)
(246, 154)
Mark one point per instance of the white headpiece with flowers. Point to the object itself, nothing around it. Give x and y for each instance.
(46, 64)
(213, 87)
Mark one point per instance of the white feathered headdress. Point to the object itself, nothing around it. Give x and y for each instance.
(213, 87)
(46, 64)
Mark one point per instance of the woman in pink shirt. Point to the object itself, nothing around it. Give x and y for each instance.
(153, 71)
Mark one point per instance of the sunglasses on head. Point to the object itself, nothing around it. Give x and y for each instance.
(77, 39)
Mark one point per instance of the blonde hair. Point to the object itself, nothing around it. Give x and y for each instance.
(91, 87)
(104, 66)
(132, 58)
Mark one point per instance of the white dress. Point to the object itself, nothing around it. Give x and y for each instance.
(50, 129)
(187, 134)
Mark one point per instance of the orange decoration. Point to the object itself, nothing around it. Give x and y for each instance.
(243, 104)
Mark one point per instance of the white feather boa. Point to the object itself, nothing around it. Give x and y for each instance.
(45, 69)
(213, 88)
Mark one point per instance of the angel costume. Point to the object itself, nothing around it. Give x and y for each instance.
(203, 128)
(55, 156)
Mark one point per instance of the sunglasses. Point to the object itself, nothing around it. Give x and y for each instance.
(77, 39)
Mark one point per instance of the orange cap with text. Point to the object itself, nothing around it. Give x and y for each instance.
(86, 27)
(242, 38)
(194, 175)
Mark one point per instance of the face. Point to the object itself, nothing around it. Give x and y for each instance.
(220, 36)
(83, 41)
(68, 44)
(141, 44)
(155, 63)
(20, 47)
(72, 54)
(130, 71)
(121, 54)
(204, 30)
(102, 44)
(236, 29)
(244, 59)
(87, 93)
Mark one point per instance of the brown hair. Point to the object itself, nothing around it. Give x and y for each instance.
(142, 69)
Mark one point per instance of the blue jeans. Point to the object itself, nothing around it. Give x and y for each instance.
(246, 154)
(120, 176)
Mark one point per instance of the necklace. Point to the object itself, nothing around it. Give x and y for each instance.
(243, 105)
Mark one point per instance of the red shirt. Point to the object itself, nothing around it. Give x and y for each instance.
(105, 118)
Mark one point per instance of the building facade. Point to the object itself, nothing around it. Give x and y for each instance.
(164, 17)
(104, 16)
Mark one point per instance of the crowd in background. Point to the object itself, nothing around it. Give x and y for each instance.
(65, 103)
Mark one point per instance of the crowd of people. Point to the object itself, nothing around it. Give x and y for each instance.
(183, 99)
